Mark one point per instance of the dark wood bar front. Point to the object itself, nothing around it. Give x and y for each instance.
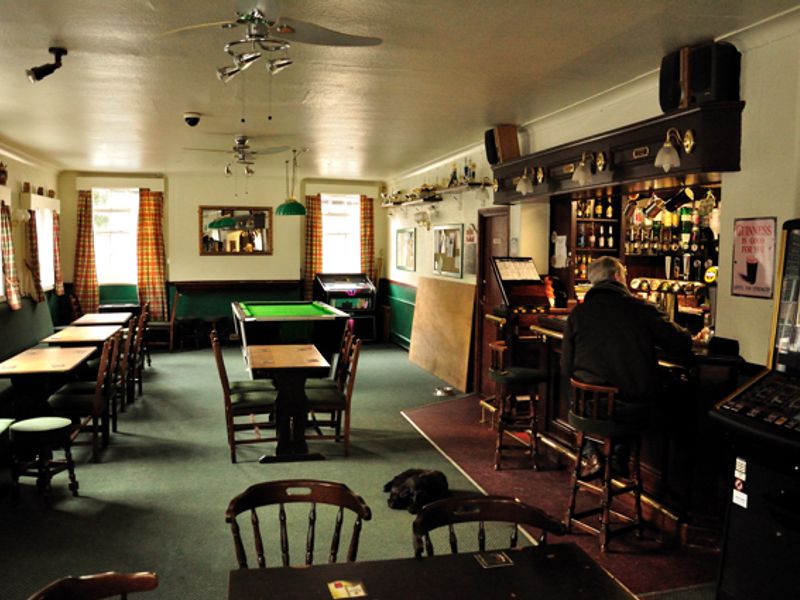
(682, 453)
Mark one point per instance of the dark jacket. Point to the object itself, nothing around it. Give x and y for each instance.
(612, 337)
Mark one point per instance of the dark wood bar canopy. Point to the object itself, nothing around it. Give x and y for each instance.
(627, 154)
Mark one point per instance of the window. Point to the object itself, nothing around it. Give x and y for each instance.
(44, 239)
(341, 233)
(115, 215)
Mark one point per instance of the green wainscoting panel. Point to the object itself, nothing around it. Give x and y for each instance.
(216, 303)
(122, 293)
(401, 299)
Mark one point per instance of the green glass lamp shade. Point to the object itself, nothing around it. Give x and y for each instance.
(290, 208)
(222, 223)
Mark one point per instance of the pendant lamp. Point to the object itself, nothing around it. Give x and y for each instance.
(291, 207)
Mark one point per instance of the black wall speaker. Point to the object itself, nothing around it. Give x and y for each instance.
(709, 73)
(501, 144)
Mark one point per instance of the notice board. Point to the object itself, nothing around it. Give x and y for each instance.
(442, 329)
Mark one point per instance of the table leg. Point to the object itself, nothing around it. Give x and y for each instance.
(290, 419)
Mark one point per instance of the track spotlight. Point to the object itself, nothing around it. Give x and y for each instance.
(38, 73)
(276, 65)
(246, 59)
(248, 171)
(228, 172)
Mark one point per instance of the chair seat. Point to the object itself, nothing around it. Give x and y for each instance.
(40, 430)
(75, 397)
(4, 425)
(518, 376)
(321, 384)
(245, 403)
(326, 399)
(633, 425)
(248, 385)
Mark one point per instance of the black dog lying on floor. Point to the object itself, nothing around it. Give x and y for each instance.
(414, 488)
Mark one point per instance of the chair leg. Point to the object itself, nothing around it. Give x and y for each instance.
(637, 473)
(605, 504)
(73, 481)
(95, 441)
(43, 474)
(580, 443)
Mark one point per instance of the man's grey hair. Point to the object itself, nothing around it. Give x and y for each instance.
(605, 268)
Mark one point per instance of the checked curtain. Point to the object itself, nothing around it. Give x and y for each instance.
(150, 254)
(86, 287)
(367, 238)
(33, 257)
(59, 274)
(10, 278)
(313, 246)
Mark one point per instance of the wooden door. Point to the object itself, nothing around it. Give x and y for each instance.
(493, 236)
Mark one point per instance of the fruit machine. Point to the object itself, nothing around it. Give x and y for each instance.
(354, 293)
(761, 419)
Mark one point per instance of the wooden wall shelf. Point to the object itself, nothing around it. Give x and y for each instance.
(629, 153)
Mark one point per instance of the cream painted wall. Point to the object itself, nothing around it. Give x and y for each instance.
(187, 192)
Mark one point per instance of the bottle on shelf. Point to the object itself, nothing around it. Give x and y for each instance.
(601, 239)
(582, 268)
(579, 209)
(610, 238)
(580, 242)
(598, 208)
(592, 237)
(609, 208)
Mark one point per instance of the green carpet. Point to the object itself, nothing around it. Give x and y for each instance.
(157, 499)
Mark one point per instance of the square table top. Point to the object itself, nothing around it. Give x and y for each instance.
(285, 356)
(92, 334)
(54, 359)
(105, 318)
(552, 571)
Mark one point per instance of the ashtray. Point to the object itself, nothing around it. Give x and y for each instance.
(445, 390)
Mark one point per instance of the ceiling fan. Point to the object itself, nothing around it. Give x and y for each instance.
(268, 31)
(243, 154)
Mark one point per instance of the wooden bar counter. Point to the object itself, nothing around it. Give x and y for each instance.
(682, 452)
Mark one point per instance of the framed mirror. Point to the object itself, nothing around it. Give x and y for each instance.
(235, 230)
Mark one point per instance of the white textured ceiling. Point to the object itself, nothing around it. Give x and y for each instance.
(446, 71)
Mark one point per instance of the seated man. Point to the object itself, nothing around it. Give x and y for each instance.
(611, 339)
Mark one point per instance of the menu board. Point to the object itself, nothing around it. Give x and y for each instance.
(520, 283)
(516, 269)
(786, 355)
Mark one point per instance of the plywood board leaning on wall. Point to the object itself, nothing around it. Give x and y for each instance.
(442, 328)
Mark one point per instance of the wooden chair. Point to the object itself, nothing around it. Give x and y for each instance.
(98, 586)
(335, 402)
(595, 416)
(75, 307)
(481, 509)
(137, 359)
(87, 404)
(243, 401)
(161, 333)
(121, 382)
(310, 492)
(32, 444)
(336, 380)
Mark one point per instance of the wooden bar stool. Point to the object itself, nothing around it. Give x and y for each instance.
(32, 445)
(515, 396)
(592, 414)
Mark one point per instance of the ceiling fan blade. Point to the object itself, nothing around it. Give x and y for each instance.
(207, 150)
(294, 30)
(227, 23)
(273, 150)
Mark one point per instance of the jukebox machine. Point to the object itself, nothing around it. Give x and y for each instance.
(353, 293)
(761, 541)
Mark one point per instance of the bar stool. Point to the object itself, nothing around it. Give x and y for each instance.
(32, 445)
(592, 414)
(516, 394)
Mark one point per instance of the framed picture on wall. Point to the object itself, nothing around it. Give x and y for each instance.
(448, 251)
(753, 272)
(406, 249)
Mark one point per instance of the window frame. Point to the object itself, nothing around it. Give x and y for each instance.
(354, 200)
(131, 270)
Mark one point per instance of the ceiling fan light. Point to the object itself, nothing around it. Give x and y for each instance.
(242, 61)
(276, 65)
(248, 171)
(225, 74)
(228, 172)
(290, 208)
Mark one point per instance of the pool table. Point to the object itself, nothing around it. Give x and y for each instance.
(302, 322)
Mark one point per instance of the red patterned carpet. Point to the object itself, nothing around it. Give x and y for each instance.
(644, 566)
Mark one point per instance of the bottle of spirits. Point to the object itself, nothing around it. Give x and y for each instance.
(592, 237)
(601, 241)
(610, 238)
(598, 208)
(579, 209)
(581, 241)
(609, 208)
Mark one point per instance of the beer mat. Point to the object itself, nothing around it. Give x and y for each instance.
(347, 589)
(490, 560)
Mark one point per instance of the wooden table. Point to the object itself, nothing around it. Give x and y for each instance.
(105, 318)
(561, 571)
(82, 336)
(32, 372)
(289, 365)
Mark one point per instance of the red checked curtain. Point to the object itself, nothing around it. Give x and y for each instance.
(313, 259)
(367, 238)
(59, 274)
(33, 257)
(151, 261)
(86, 287)
(10, 278)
